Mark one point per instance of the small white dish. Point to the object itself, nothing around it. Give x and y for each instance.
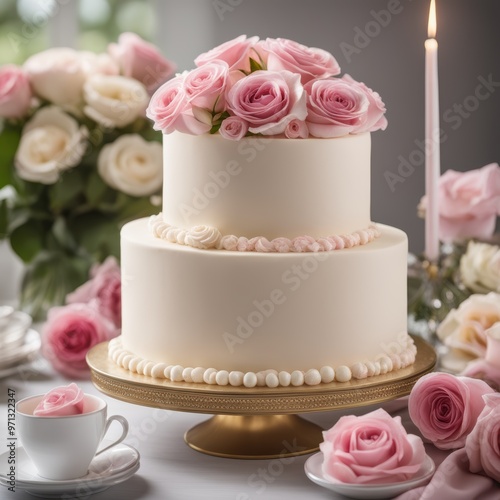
(30, 346)
(313, 469)
(5, 314)
(111, 467)
(14, 330)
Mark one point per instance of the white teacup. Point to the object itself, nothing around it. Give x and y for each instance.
(62, 447)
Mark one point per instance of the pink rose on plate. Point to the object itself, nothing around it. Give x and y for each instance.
(483, 443)
(15, 92)
(445, 407)
(233, 128)
(69, 333)
(170, 110)
(61, 402)
(469, 203)
(268, 101)
(371, 449)
(308, 62)
(205, 86)
(236, 53)
(141, 60)
(375, 116)
(104, 287)
(335, 107)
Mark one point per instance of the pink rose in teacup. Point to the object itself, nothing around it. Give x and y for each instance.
(371, 449)
(15, 92)
(268, 101)
(308, 62)
(141, 60)
(335, 107)
(236, 53)
(61, 401)
(483, 443)
(445, 407)
(469, 203)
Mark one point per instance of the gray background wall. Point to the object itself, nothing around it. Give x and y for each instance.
(391, 61)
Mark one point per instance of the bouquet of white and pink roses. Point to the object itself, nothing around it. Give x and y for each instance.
(78, 158)
(268, 87)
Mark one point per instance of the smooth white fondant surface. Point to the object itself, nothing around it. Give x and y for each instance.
(252, 312)
(267, 186)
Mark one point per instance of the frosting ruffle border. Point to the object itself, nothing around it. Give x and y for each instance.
(207, 237)
(270, 378)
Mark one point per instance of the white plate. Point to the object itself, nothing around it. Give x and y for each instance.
(367, 491)
(14, 329)
(5, 314)
(111, 467)
(30, 346)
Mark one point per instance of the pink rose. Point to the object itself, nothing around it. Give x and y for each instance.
(233, 128)
(374, 117)
(170, 110)
(483, 443)
(236, 53)
(15, 92)
(205, 86)
(68, 334)
(445, 408)
(61, 402)
(469, 203)
(371, 449)
(297, 129)
(308, 62)
(268, 101)
(488, 369)
(105, 288)
(335, 107)
(141, 60)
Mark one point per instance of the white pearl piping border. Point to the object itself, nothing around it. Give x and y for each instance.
(266, 378)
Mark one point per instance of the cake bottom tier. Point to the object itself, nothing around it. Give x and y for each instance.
(251, 319)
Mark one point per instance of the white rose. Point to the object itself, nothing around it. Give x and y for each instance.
(480, 267)
(57, 75)
(465, 328)
(52, 141)
(132, 165)
(114, 101)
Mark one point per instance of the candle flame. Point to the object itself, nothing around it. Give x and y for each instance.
(432, 26)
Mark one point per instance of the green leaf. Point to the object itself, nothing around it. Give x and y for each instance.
(27, 240)
(48, 279)
(254, 65)
(97, 234)
(62, 236)
(9, 142)
(65, 191)
(4, 221)
(95, 190)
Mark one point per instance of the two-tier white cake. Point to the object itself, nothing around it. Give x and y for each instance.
(264, 267)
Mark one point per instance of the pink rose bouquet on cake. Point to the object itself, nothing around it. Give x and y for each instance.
(80, 159)
(272, 87)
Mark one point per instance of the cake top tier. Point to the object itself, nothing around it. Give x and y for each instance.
(272, 87)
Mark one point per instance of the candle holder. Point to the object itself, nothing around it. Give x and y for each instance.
(434, 289)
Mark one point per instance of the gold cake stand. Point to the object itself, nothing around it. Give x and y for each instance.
(257, 423)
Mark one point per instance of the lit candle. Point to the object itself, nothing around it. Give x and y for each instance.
(432, 153)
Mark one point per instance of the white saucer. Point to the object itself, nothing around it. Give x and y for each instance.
(367, 491)
(30, 346)
(111, 467)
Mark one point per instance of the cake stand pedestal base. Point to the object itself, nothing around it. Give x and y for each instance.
(258, 422)
(255, 436)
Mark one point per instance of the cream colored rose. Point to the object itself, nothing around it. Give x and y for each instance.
(132, 165)
(480, 267)
(57, 75)
(114, 101)
(465, 328)
(52, 141)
